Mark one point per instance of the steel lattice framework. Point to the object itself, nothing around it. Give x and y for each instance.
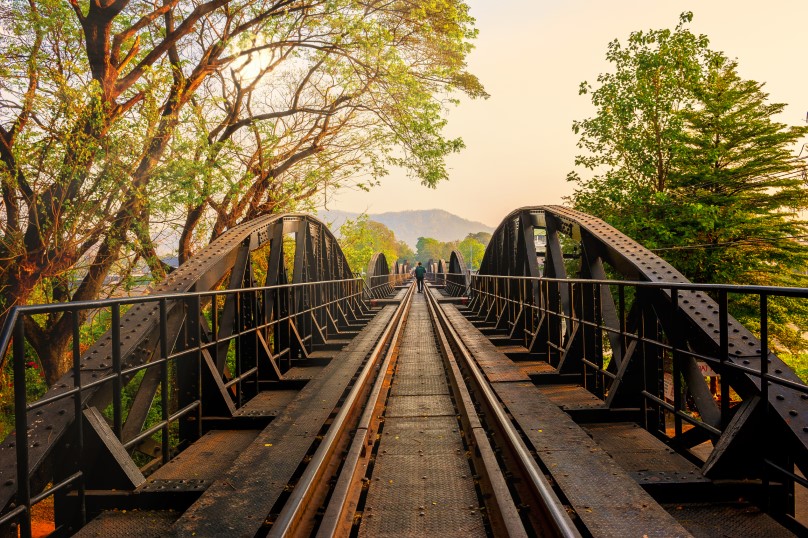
(543, 281)
(185, 322)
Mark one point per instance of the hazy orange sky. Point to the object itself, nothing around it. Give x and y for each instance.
(531, 56)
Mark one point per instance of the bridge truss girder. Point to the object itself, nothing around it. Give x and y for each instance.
(563, 319)
(281, 326)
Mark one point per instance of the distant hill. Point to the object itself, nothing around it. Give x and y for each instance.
(410, 225)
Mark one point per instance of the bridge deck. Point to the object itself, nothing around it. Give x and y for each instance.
(605, 497)
(238, 503)
(421, 479)
(422, 482)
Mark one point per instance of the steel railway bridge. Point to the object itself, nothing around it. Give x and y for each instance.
(577, 385)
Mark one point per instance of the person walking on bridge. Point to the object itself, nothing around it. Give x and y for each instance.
(420, 271)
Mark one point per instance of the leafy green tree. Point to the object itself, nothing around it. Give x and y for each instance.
(731, 193)
(122, 120)
(361, 238)
(630, 144)
(687, 160)
(428, 248)
(405, 252)
(472, 251)
(481, 237)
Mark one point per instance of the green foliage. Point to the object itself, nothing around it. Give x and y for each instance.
(471, 248)
(116, 129)
(686, 159)
(428, 248)
(361, 238)
(472, 251)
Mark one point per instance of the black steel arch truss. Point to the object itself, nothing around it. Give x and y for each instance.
(269, 329)
(543, 281)
(379, 279)
(457, 275)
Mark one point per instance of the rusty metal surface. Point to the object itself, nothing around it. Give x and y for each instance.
(266, 404)
(420, 385)
(534, 367)
(302, 372)
(647, 459)
(207, 458)
(571, 396)
(419, 406)
(732, 520)
(131, 523)
(414, 368)
(244, 496)
(605, 497)
(422, 482)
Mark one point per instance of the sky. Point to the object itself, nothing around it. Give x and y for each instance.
(531, 56)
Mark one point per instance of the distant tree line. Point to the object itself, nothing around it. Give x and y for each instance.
(361, 238)
(471, 248)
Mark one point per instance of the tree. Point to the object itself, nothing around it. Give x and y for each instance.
(731, 193)
(481, 237)
(689, 162)
(472, 251)
(630, 143)
(429, 248)
(405, 252)
(122, 117)
(361, 238)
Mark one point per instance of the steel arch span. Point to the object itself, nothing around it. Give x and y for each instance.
(647, 340)
(226, 333)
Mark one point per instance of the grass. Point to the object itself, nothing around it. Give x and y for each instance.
(799, 363)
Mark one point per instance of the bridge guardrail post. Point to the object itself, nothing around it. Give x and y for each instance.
(117, 413)
(164, 380)
(764, 393)
(676, 358)
(21, 425)
(723, 317)
(77, 406)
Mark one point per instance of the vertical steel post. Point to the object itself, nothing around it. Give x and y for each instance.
(117, 414)
(764, 392)
(164, 388)
(723, 321)
(21, 426)
(76, 351)
(677, 370)
(240, 324)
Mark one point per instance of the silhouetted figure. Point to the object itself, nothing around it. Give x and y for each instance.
(420, 271)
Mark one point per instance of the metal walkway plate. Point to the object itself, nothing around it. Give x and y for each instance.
(206, 459)
(421, 483)
(130, 524)
(267, 404)
(647, 459)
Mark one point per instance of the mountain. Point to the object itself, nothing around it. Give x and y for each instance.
(410, 225)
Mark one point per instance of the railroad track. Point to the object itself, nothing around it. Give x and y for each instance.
(409, 450)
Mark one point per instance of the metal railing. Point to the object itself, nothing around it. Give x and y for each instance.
(547, 313)
(380, 286)
(295, 318)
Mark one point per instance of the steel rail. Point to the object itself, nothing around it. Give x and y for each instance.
(504, 513)
(294, 509)
(559, 518)
(338, 505)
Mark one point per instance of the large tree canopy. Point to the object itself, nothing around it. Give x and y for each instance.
(685, 157)
(122, 116)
